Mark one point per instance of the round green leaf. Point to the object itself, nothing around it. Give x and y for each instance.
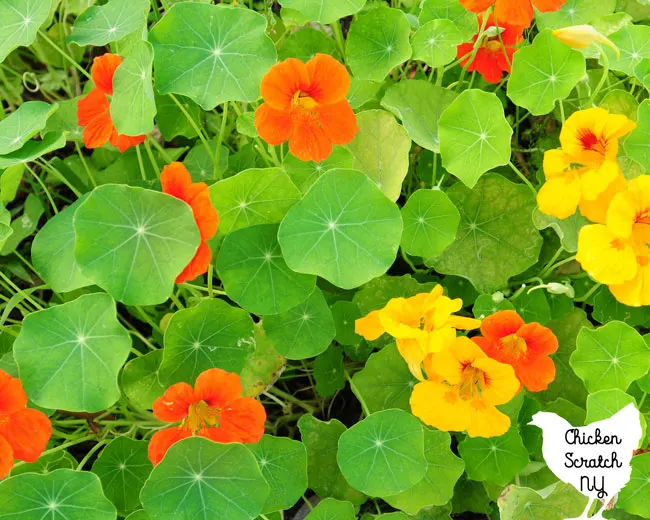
(211, 53)
(496, 238)
(450, 10)
(303, 331)
(543, 73)
(635, 496)
(567, 229)
(332, 509)
(324, 11)
(283, 463)
(199, 478)
(19, 23)
(362, 91)
(486, 305)
(378, 40)
(69, 355)
(329, 371)
(211, 335)
(123, 466)
(636, 145)
(99, 25)
(263, 367)
(23, 124)
(435, 42)
(305, 173)
(523, 503)
(607, 308)
(533, 307)
(383, 455)
(305, 44)
(133, 242)
(255, 275)
(605, 403)
(611, 356)
(345, 314)
(139, 380)
(141, 514)
(474, 135)
(633, 42)
(575, 12)
(332, 232)
(33, 150)
(171, 120)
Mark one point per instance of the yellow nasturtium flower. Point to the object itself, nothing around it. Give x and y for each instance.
(582, 36)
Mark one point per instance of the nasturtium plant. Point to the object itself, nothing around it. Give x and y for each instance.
(23, 124)
(102, 24)
(21, 20)
(435, 42)
(324, 11)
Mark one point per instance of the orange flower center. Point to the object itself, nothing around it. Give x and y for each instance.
(591, 142)
(200, 416)
(493, 44)
(618, 244)
(473, 380)
(514, 346)
(303, 101)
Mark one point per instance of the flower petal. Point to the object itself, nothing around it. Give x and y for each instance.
(282, 81)
(338, 122)
(540, 340)
(6, 457)
(244, 418)
(174, 404)
(103, 70)
(274, 126)
(514, 12)
(98, 131)
(94, 104)
(546, 6)
(501, 324)
(606, 257)
(486, 420)
(477, 6)
(634, 292)
(12, 394)
(162, 440)
(369, 326)
(218, 388)
(124, 142)
(536, 374)
(27, 431)
(501, 383)
(329, 79)
(309, 142)
(199, 264)
(559, 196)
(438, 405)
(596, 209)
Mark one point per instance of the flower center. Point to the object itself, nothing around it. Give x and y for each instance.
(514, 346)
(493, 44)
(591, 142)
(303, 101)
(472, 383)
(200, 416)
(618, 244)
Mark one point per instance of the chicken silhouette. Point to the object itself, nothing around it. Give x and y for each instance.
(595, 459)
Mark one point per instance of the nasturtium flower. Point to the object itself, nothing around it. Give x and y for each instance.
(421, 324)
(462, 390)
(585, 167)
(582, 36)
(24, 432)
(514, 12)
(93, 110)
(177, 182)
(213, 409)
(524, 346)
(304, 103)
(494, 55)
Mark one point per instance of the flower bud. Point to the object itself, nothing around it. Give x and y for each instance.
(582, 36)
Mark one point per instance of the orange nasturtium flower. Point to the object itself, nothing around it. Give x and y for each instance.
(177, 182)
(304, 103)
(213, 409)
(514, 12)
(93, 110)
(585, 169)
(492, 57)
(24, 432)
(463, 388)
(421, 324)
(524, 346)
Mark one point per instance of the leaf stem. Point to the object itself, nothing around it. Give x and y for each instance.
(603, 78)
(42, 184)
(222, 133)
(85, 165)
(523, 178)
(65, 55)
(196, 127)
(140, 163)
(355, 390)
(288, 397)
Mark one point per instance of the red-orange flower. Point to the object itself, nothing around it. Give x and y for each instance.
(305, 104)
(213, 409)
(514, 12)
(525, 346)
(492, 57)
(93, 110)
(24, 432)
(177, 182)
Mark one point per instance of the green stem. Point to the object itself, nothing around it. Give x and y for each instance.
(603, 78)
(288, 397)
(90, 453)
(152, 159)
(51, 169)
(60, 447)
(338, 38)
(523, 178)
(47, 192)
(549, 264)
(477, 46)
(140, 163)
(222, 133)
(65, 55)
(196, 127)
(163, 153)
(356, 392)
(20, 291)
(588, 293)
(85, 165)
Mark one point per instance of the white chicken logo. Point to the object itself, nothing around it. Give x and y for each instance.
(595, 459)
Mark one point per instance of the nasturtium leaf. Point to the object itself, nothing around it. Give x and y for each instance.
(69, 355)
(133, 242)
(605, 403)
(33, 150)
(385, 381)
(435, 42)
(496, 238)
(637, 145)
(450, 10)
(557, 503)
(47, 463)
(378, 40)
(381, 150)
(211, 53)
(474, 135)
(211, 335)
(533, 307)
(21, 226)
(140, 514)
(633, 42)
(345, 314)
(607, 308)
(329, 371)
(246, 124)
(255, 274)
(256, 196)
(635, 496)
(283, 463)
(199, 163)
(53, 252)
(495, 460)
(23, 124)
(324, 11)
(363, 91)
(443, 471)
(20, 21)
(263, 367)
(611, 356)
(99, 25)
(139, 379)
(123, 466)
(303, 331)
(199, 478)
(332, 509)
(332, 232)
(383, 455)
(419, 104)
(543, 73)
(305, 173)
(133, 105)
(305, 44)
(567, 230)
(170, 118)
(575, 12)
(325, 478)
(486, 305)
(64, 493)
(65, 121)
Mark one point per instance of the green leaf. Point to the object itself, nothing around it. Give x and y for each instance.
(305, 173)
(332, 231)
(305, 44)
(69, 355)
(23, 124)
(533, 307)
(133, 242)
(605, 403)
(123, 467)
(543, 73)
(607, 308)
(376, 293)
(332, 509)
(486, 305)
(133, 105)
(496, 460)
(567, 230)
(138, 515)
(329, 372)
(32, 150)
(575, 12)
(171, 120)
(256, 196)
(10, 180)
(198, 477)
(443, 471)
(474, 135)
(637, 144)
(363, 91)
(65, 121)
(23, 226)
(345, 313)
(520, 503)
(139, 379)
(303, 331)
(21, 20)
(496, 238)
(378, 40)
(435, 43)
(611, 356)
(635, 496)
(633, 42)
(199, 162)
(419, 104)
(324, 11)
(64, 493)
(211, 335)
(211, 53)
(381, 150)
(47, 464)
(255, 275)
(451, 10)
(99, 25)
(383, 454)
(283, 463)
